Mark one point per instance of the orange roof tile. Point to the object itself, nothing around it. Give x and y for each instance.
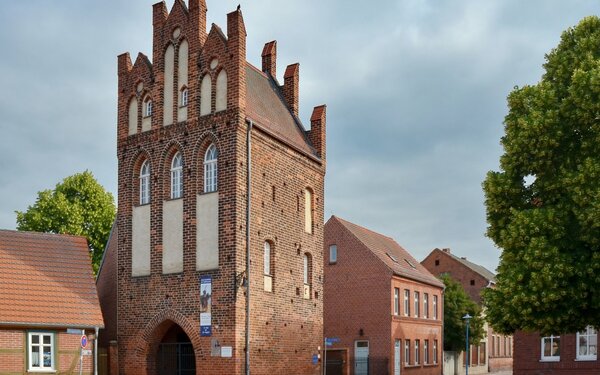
(391, 253)
(46, 280)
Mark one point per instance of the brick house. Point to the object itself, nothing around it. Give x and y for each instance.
(214, 164)
(496, 351)
(382, 305)
(46, 288)
(567, 354)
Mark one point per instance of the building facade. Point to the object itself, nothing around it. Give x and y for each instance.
(383, 310)
(48, 304)
(220, 195)
(495, 352)
(567, 354)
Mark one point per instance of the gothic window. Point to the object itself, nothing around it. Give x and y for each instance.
(177, 176)
(210, 169)
(145, 183)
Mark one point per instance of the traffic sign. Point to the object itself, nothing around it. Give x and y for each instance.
(83, 341)
(329, 341)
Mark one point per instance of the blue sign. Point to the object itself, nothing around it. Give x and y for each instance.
(315, 359)
(205, 306)
(83, 341)
(329, 341)
(205, 330)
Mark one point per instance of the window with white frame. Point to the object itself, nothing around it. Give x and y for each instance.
(435, 311)
(396, 301)
(184, 96)
(587, 341)
(425, 305)
(551, 348)
(426, 352)
(177, 176)
(333, 254)
(407, 352)
(41, 351)
(406, 302)
(416, 300)
(147, 107)
(145, 182)
(210, 169)
(417, 352)
(435, 352)
(267, 259)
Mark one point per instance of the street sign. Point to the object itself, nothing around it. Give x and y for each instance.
(315, 359)
(86, 352)
(329, 341)
(83, 341)
(73, 331)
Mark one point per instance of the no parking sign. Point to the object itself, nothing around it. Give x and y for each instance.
(83, 341)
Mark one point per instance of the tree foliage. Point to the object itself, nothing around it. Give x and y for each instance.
(78, 205)
(543, 206)
(457, 304)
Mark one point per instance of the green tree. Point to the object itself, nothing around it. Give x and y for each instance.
(457, 303)
(78, 205)
(543, 206)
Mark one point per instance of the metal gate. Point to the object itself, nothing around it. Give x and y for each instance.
(176, 359)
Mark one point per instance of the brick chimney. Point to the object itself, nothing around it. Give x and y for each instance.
(236, 42)
(269, 59)
(316, 134)
(291, 87)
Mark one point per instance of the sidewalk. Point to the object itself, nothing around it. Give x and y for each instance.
(505, 372)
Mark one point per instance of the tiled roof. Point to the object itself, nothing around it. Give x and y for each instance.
(484, 272)
(46, 280)
(265, 105)
(391, 253)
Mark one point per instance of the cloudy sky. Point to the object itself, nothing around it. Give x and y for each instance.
(416, 94)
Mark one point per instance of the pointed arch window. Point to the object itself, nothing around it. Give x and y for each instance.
(145, 183)
(184, 98)
(177, 176)
(147, 107)
(210, 169)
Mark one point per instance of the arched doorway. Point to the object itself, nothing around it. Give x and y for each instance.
(175, 353)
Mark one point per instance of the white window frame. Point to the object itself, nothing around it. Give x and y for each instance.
(426, 305)
(332, 254)
(40, 346)
(435, 352)
(435, 312)
(590, 335)
(145, 183)
(551, 358)
(417, 352)
(426, 352)
(406, 302)
(267, 259)
(210, 169)
(407, 352)
(177, 176)
(184, 96)
(396, 301)
(417, 303)
(147, 107)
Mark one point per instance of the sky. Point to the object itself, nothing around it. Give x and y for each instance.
(415, 92)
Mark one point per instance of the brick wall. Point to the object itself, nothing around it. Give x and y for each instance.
(527, 354)
(286, 330)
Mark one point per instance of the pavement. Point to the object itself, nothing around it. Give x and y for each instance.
(506, 372)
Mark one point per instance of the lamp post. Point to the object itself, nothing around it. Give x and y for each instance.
(467, 318)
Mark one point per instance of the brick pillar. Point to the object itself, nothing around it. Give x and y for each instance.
(113, 358)
(269, 59)
(291, 87)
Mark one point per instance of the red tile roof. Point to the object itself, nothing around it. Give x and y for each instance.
(47, 280)
(394, 256)
(265, 105)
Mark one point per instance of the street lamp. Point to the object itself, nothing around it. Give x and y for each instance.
(468, 319)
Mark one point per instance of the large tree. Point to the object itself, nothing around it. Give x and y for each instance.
(543, 206)
(78, 205)
(457, 304)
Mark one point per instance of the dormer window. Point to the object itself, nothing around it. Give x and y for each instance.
(184, 96)
(148, 107)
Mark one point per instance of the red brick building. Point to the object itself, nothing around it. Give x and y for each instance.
(382, 305)
(215, 164)
(46, 288)
(567, 354)
(496, 351)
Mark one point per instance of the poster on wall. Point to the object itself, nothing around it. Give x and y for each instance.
(205, 305)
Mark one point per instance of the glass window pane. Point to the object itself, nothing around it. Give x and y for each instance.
(35, 339)
(35, 356)
(47, 356)
(47, 339)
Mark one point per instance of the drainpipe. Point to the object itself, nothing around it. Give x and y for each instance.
(443, 356)
(96, 352)
(248, 196)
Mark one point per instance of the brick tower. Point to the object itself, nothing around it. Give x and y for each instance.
(205, 141)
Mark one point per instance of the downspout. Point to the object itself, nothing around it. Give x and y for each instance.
(248, 196)
(96, 352)
(443, 356)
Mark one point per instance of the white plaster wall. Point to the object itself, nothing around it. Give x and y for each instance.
(207, 233)
(205, 95)
(133, 116)
(146, 123)
(182, 78)
(172, 261)
(221, 97)
(140, 242)
(168, 89)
